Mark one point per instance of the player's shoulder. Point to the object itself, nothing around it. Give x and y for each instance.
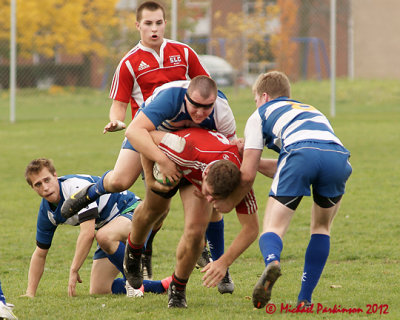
(176, 44)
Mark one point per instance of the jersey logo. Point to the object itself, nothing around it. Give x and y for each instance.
(143, 65)
(175, 59)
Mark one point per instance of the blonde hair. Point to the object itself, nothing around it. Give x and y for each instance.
(275, 83)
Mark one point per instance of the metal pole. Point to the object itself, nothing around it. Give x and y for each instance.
(351, 42)
(174, 18)
(13, 59)
(333, 57)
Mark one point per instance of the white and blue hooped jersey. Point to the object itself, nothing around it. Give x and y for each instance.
(282, 122)
(104, 209)
(166, 108)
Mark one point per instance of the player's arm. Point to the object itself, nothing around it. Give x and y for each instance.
(216, 270)
(268, 167)
(151, 183)
(36, 269)
(83, 246)
(248, 172)
(117, 116)
(138, 134)
(195, 68)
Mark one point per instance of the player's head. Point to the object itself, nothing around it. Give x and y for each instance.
(200, 98)
(42, 177)
(269, 86)
(220, 179)
(150, 21)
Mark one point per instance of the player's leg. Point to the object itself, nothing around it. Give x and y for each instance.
(276, 222)
(112, 237)
(147, 215)
(197, 212)
(147, 252)
(102, 277)
(215, 237)
(333, 172)
(126, 171)
(317, 251)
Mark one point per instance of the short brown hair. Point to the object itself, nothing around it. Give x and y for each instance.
(204, 85)
(275, 83)
(36, 165)
(148, 5)
(223, 177)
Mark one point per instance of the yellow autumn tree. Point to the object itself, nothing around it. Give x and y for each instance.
(282, 45)
(73, 26)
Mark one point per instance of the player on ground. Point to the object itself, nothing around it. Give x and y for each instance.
(6, 309)
(151, 63)
(107, 220)
(309, 155)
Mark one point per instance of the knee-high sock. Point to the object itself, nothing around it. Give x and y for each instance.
(118, 286)
(270, 246)
(159, 286)
(316, 255)
(97, 190)
(215, 237)
(117, 258)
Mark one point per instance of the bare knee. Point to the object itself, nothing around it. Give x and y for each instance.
(115, 182)
(103, 240)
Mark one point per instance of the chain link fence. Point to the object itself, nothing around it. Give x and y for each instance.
(304, 55)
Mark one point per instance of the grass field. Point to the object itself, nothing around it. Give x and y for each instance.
(364, 263)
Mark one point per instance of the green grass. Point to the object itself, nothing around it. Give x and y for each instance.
(66, 125)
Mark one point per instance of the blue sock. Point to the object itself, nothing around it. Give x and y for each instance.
(2, 297)
(117, 258)
(97, 190)
(118, 286)
(271, 247)
(153, 286)
(316, 255)
(215, 237)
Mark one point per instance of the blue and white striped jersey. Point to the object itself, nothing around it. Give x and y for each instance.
(104, 209)
(166, 109)
(282, 122)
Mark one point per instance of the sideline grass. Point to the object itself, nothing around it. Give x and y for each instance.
(66, 125)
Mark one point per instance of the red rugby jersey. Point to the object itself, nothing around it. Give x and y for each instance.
(193, 149)
(142, 70)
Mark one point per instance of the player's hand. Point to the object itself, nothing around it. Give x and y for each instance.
(114, 125)
(240, 144)
(156, 186)
(73, 279)
(214, 272)
(170, 171)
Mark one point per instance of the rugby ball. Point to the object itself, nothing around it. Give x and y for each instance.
(159, 176)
